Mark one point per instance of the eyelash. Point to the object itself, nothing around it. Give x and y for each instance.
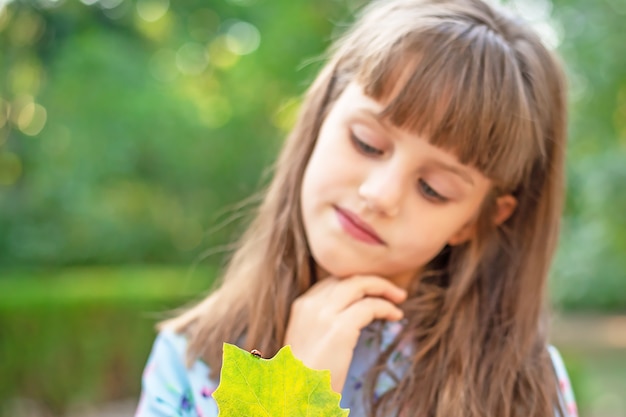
(364, 147)
(426, 190)
(430, 193)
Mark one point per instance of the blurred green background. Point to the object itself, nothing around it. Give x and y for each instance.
(131, 130)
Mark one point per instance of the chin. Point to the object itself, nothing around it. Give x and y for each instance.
(331, 264)
(336, 265)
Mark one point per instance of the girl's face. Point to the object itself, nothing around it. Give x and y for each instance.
(379, 200)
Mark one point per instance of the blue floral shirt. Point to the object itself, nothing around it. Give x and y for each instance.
(170, 389)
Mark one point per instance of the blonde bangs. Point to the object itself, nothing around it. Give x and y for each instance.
(459, 86)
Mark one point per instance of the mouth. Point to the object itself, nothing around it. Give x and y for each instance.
(357, 228)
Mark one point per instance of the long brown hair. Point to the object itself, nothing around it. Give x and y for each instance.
(480, 84)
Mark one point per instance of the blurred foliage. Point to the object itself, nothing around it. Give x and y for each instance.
(129, 129)
(590, 271)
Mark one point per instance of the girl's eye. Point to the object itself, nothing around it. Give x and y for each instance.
(430, 192)
(364, 147)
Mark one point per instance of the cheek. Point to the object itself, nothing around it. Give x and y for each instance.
(330, 167)
(424, 236)
(417, 251)
(313, 183)
(317, 185)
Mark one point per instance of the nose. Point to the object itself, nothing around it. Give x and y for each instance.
(382, 190)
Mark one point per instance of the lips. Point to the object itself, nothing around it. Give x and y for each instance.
(357, 228)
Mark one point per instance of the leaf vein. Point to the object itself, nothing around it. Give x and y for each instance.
(252, 389)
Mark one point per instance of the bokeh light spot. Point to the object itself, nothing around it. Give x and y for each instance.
(163, 65)
(158, 30)
(539, 14)
(25, 77)
(243, 38)
(152, 10)
(191, 59)
(10, 168)
(119, 10)
(50, 4)
(17, 105)
(27, 28)
(32, 119)
(4, 15)
(550, 33)
(110, 4)
(220, 55)
(533, 10)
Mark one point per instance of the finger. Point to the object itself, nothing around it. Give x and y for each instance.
(350, 290)
(368, 309)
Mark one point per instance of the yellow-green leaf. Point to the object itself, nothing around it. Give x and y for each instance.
(279, 387)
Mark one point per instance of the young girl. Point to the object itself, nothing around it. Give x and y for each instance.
(406, 237)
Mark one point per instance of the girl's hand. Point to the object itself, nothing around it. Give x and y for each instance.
(326, 321)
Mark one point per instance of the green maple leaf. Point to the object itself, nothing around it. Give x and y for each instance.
(279, 387)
